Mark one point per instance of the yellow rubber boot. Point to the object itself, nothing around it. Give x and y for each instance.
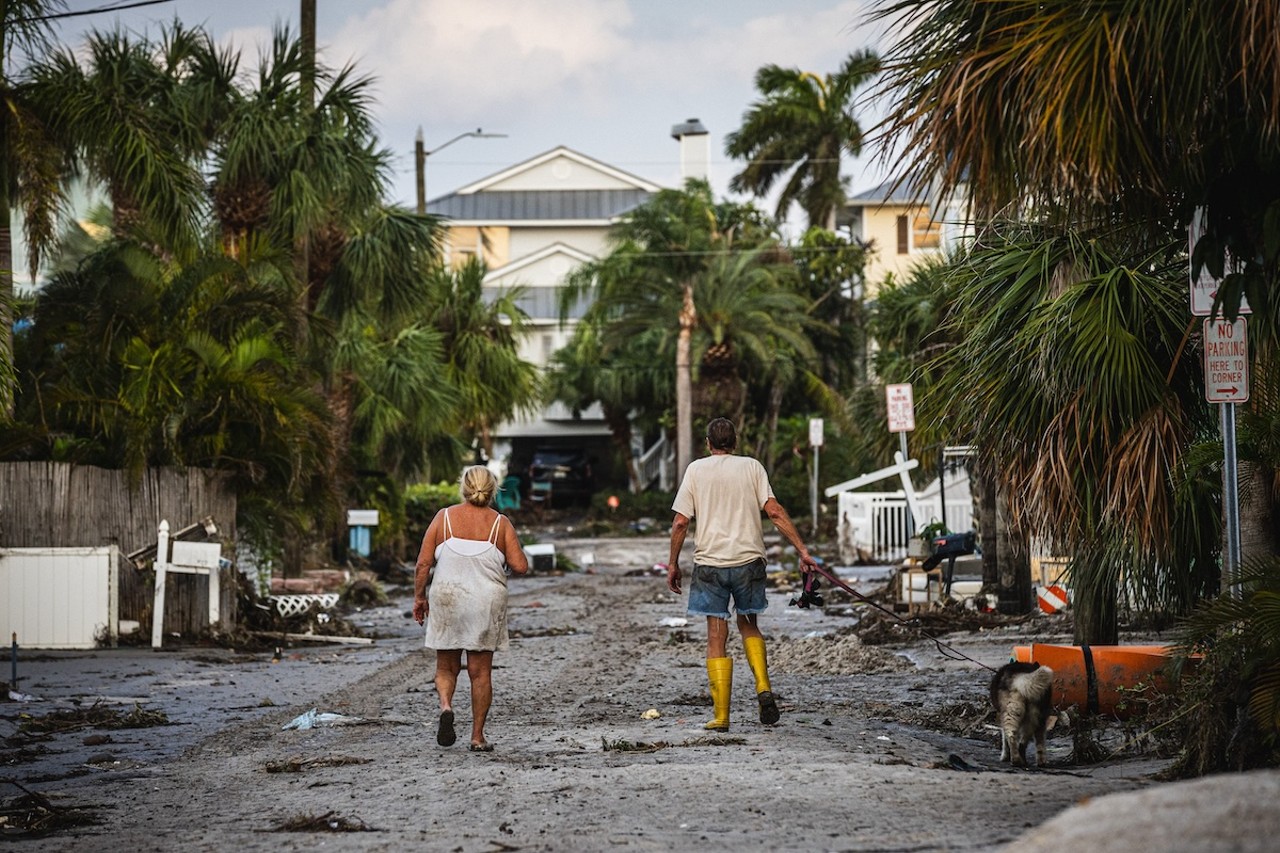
(759, 663)
(720, 674)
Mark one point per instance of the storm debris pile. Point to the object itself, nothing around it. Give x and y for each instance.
(621, 745)
(836, 654)
(96, 715)
(298, 765)
(33, 815)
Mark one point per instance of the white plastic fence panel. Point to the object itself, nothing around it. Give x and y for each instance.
(59, 598)
(874, 525)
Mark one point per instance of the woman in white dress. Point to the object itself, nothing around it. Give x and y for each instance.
(460, 590)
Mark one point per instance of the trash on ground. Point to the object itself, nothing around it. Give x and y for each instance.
(651, 714)
(33, 815)
(15, 696)
(298, 765)
(96, 715)
(315, 719)
(674, 622)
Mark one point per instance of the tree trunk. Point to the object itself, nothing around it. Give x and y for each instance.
(8, 389)
(1094, 602)
(684, 384)
(620, 431)
(1014, 562)
(1257, 530)
(307, 41)
(771, 424)
(985, 494)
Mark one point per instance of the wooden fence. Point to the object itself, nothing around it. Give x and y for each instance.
(60, 505)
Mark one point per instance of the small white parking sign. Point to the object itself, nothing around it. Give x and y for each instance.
(1226, 361)
(902, 411)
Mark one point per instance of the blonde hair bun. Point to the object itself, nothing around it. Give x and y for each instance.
(477, 485)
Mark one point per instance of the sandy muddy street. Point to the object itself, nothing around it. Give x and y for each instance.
(853, 764)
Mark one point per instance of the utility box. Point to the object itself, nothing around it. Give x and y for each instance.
(60, 598)
(542, 557)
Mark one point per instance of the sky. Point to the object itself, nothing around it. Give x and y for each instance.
(607, 78)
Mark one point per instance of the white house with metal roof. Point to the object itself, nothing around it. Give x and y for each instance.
(532, 224)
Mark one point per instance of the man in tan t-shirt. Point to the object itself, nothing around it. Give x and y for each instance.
(726, 494)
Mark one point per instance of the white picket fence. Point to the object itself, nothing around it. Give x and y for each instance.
(874, 527)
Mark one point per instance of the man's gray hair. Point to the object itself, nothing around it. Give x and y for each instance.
(722, 435)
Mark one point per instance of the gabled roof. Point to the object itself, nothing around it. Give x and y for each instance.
(892, 191)
(552, 169)
(538, 205)
(574, 256)
(558, 186)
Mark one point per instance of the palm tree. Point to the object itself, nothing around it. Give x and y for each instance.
(1068, 369)
(623, 374)
(30, 163)
(140, 116)
(752, 328)
(403, 415)
(481, 344)
(803, 124)
(1094, 108)
(1130, 111)
(135, 360)
(307, 177)
(660, 249)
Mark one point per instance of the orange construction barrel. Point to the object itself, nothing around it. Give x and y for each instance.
(1094, 678)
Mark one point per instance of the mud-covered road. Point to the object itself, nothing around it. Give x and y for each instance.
(853, 765)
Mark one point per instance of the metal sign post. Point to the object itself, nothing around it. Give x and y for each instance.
(1226, 382)
(815, 441)
(902, 419)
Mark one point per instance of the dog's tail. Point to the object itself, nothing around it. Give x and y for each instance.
(1032, 685)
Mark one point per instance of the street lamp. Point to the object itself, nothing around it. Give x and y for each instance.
(420, 155)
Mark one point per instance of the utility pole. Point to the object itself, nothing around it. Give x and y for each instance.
(420, 171)
(307, 38)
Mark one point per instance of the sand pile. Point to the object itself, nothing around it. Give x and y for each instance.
(842, 654)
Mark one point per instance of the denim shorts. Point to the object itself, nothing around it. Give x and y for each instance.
(713, 586)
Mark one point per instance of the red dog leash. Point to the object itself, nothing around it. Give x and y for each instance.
(810, 593)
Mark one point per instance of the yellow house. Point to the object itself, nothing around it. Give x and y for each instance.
(900, 230)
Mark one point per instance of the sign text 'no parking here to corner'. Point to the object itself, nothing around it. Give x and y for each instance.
(1226, 361)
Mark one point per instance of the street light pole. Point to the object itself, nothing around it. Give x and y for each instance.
(420, 155)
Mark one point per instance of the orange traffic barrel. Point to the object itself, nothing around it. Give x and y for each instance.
(1096, 678)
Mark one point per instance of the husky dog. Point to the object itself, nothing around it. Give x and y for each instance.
(1022, 694)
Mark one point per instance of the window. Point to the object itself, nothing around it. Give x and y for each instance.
(904, 235)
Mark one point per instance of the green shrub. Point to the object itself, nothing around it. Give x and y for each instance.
(650, 504)
(423, 500)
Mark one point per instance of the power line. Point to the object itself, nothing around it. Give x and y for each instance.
(117, 7)
(690, 253)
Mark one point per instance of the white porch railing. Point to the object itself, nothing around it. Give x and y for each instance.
(873, 526)
(656, 465)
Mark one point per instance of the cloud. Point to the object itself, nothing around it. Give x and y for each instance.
(471, 61)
